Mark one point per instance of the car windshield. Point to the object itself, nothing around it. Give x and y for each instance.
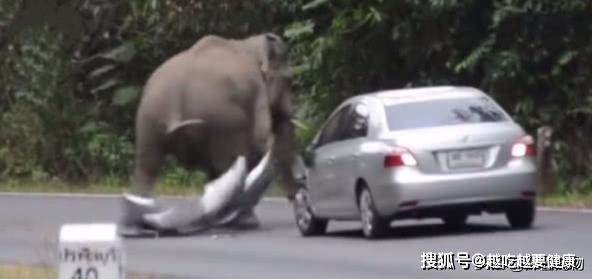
(442, 112)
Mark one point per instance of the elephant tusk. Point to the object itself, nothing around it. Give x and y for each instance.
(218, 194)
(299, 124)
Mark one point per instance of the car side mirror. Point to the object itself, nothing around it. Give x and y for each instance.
(309, 156)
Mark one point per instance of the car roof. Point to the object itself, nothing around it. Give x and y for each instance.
(407, 95)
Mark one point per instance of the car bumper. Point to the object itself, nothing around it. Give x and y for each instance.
(407, 189)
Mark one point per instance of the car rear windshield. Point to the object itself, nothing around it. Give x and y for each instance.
(443, 112)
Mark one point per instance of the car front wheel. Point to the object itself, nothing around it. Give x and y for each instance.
(521, 215)
(373, 226)
(307, 223)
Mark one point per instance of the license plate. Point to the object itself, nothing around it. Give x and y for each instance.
(466, 159)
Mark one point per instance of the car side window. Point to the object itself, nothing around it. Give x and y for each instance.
(333, 131)
(357, 122)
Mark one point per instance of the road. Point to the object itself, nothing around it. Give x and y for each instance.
(29, 226)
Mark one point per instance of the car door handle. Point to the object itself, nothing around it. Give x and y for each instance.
(331, 160)
(355, 155)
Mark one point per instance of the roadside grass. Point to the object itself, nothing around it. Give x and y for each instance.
(26, 272)
(39, 272)
(104, 186)
(567, 200)
(166, 186)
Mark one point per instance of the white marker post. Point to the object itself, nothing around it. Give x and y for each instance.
(91, 251)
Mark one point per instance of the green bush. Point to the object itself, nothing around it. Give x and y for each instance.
(533, 56)
(68, 102)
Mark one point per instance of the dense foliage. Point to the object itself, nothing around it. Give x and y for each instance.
(68, 95)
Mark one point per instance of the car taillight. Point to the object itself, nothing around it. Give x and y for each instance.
(399, 157)
(524, 147)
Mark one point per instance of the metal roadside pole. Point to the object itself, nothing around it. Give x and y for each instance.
(543, 160)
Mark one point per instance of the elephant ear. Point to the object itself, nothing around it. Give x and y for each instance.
(272, 52)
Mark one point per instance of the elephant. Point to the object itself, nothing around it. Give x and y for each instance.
(223, 106)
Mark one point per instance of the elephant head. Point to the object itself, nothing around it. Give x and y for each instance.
(271, 53)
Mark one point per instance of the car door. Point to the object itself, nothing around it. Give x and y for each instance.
(321, 172)
(345, 154)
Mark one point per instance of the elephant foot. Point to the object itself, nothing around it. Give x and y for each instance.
(245, 220)
(134, 208)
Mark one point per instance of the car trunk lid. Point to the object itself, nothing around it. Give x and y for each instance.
(458, 148)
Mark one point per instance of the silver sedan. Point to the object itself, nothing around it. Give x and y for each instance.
(432, 152)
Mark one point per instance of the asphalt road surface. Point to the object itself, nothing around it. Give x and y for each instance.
(29, 227)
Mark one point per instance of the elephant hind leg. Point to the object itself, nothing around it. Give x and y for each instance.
(149, 157)
(145, 175)
(147, 166)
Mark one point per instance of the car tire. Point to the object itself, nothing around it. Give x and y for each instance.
(373, 225)
(307, 223)
(521, 215)
(455, 221)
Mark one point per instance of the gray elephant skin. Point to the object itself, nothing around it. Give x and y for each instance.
(222, 106)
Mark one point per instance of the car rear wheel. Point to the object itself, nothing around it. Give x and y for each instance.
(455, 220)
(521, 215)
(373, 226)
(307, 223)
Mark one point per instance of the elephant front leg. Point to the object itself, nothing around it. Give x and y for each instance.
(286, 157)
